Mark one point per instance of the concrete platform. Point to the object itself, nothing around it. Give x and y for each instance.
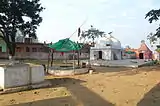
(133, 63)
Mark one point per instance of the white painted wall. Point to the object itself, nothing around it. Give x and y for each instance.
(1, 77)
(20, 75)
(92, 57)
(37, 74)
(16, 76)
(107, 55)
(117, 52)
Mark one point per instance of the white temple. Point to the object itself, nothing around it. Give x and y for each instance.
(106, 48)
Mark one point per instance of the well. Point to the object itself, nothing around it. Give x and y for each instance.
(66, 70)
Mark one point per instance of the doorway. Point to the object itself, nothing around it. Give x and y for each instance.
(100, 54)
(121, 55)
(141, 56)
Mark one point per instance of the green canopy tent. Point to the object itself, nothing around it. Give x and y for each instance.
(65, 45)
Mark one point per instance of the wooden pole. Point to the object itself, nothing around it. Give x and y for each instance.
(74, 61)
(52, 58)
(78, 56)
(89, 63)
(65, 59)
(48, 61)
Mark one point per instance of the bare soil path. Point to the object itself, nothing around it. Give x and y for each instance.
(108, 87)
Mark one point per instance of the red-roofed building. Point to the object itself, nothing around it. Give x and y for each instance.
(144, 52)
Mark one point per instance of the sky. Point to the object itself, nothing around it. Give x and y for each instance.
(126, 18)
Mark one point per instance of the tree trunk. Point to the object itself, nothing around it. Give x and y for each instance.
(10, 41)
(89, 63)
(48, 62)
(12, 47)
(78, 59)
(74, 61)
(12, 60)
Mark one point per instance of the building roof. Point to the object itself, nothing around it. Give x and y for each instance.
(110, 41)
(144, 47)
(22, 43)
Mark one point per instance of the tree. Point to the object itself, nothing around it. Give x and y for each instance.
(19, 36)
(153, 15)
(128, 47)
(23, 15)
(92, 34)
(152, 38)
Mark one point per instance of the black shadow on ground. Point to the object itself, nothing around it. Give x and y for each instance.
(118, 71)
(61, 101)
(80, 94)
(152, 98)
(110, 69)
(150, 68)
(127, 71)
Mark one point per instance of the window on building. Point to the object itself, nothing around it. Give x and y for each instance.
(34, 49)
(18, 49)
(27, 49)
(108, 44)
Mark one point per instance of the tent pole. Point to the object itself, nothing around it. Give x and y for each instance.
(52, 58)
(78, 56)
(65, 59)
(73, 61)
(89, 62)
(48, 61)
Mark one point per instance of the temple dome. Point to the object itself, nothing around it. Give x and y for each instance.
(109, 41)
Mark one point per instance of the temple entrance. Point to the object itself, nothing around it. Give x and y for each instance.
(100, 54)
(141, 56)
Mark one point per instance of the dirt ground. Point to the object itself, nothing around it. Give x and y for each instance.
(106, 87)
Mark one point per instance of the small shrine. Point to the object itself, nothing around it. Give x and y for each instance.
(144, 52)
(106, 48)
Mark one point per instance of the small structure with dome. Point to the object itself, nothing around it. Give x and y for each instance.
(106, 48)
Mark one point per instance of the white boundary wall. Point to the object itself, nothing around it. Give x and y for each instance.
(20, 75)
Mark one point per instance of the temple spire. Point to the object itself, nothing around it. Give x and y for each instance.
(142, 41)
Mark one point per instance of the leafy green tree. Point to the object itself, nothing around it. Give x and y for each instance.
(23, 15)
(92, 34)
(153, 15)
(152, 38)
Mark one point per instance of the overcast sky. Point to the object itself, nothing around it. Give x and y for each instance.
(124, 17)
